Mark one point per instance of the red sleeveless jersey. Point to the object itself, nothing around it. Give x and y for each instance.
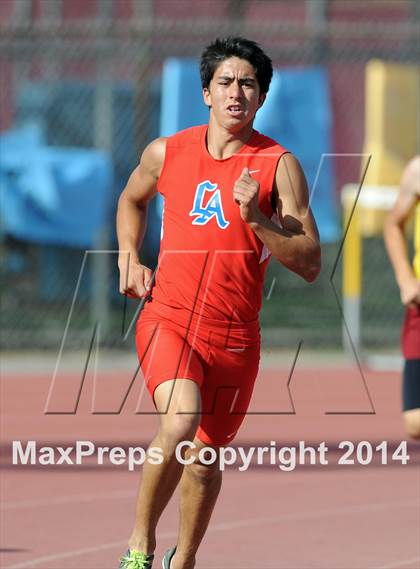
(211, 263)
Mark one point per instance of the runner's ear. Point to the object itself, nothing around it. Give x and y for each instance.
(261, 99)
(207, 97)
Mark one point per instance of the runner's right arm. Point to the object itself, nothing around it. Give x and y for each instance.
(132, 219)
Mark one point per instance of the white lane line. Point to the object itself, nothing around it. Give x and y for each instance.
(402, 563)
(76, 498)
(66, 499)
(226, 526)
(74, 553)
(347, 510)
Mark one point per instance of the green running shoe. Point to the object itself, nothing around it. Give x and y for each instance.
(134, 559)
(166, 561)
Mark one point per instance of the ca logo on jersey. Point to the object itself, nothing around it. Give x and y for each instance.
(202, 211)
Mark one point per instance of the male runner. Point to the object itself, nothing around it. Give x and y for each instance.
(408, 278)
(198, 338)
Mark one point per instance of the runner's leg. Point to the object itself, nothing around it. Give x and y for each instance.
(178, 422)
(200, 487)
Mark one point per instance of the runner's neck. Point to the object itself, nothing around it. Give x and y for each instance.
(222, 144)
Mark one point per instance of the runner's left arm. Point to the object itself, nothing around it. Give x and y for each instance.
(296, 243)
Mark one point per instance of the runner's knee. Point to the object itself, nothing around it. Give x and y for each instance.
(177, 428)
(412, 423)
(204, 472)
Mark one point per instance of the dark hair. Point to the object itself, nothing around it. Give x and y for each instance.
(223, 48)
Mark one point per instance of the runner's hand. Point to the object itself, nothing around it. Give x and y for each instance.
(245, 194)
(410, 292)
(135, 278)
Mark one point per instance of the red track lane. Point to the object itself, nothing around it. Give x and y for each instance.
(332, 516)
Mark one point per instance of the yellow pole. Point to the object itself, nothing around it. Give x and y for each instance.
(352, 274)
(352, 254)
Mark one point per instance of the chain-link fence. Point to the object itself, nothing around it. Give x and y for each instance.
(88, 75)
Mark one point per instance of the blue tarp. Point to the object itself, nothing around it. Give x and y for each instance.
(66, 110)
(52, 194)
(297, 113)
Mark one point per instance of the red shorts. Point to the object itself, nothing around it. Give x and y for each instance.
(410, 335)
(222, 359)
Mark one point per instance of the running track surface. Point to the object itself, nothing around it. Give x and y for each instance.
(332, 516)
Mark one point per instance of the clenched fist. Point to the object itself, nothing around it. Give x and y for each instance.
(245, 194)
(135, 278)
(410, 292)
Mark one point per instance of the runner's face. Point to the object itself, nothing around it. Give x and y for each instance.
(234, 94)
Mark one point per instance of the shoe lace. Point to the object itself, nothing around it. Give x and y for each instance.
(135, 560)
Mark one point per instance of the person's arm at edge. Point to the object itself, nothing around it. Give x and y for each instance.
(131, 219)
(296, 243)
(394, 235)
